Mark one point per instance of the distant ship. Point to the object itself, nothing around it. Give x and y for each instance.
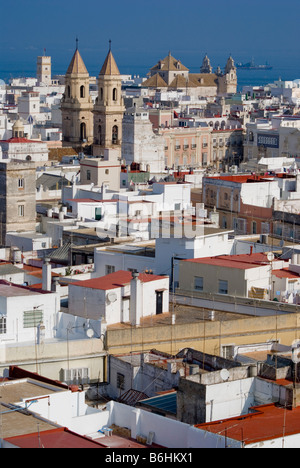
(252, 66)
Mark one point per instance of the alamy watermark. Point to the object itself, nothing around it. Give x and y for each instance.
(186, 223)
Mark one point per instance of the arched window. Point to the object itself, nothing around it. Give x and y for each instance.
(100, 134)
(68, 91)
(101, 94)
(82, 131)
(115, 135)
(82, 91)
(114, 94)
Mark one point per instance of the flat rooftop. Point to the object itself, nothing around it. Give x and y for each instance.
(184, 314)
(17, 423)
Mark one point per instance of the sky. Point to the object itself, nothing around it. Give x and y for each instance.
(143, 32)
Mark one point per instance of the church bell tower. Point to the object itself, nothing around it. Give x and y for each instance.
(109, 108)
(77, 105)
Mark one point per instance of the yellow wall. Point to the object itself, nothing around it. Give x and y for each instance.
(209, 336)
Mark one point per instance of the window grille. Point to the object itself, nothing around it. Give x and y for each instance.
(32, 318)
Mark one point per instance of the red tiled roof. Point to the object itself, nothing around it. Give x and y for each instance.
(20, 140)
(286, 273)
(266, 423)
(115, 280)
(56, 438)
(242, 262)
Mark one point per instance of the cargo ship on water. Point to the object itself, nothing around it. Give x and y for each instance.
(252, 66)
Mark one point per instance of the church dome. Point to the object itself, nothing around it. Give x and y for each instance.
(18, 129)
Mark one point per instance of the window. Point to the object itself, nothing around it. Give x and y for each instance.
(88, 175)
(82, 131)
(132, 270)
(32, 318)
(106, 171)
(227, 351)
(115, 94)
(120, 381)
(223, 287)
(198, 283)
(21, 210)
(2, 325)
(82, 91)
(21, 183)
(98, 213)
(254, 227)
(115, 135)
(78, 376)
(109, 269)
(100, 135)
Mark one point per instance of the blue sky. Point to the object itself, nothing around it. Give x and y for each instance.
(142, 32)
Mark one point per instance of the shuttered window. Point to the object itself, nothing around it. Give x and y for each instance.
(32, 318)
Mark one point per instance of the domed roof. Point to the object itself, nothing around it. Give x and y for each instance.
(2, 84)
(18, 124)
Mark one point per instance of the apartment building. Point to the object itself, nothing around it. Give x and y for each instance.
(245, 202)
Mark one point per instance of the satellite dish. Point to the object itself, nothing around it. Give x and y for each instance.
(224, 374)
(270, 256)
(111, 297)
(90, 333)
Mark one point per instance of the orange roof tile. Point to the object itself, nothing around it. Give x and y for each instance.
(242, 262)
(115, 280)
(265, 423)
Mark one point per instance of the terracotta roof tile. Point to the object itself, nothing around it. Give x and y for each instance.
(115, 280)
(155, 81)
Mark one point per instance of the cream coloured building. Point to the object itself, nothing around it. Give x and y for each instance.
(43, 72)
(170, 73)
(77, 105)
(109, 108)
(102, 171)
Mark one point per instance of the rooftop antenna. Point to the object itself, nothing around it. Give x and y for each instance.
(76, 43)
(109, 42)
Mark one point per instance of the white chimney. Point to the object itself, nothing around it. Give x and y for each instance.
(135, 312)
(46, 275)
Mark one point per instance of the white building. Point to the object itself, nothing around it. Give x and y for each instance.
(162, 255)
(121, 296)
(19, 147)
(266, 425)
(26, 315)
(140, 144)
(29, 105)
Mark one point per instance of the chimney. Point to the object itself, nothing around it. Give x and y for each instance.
(135, 311)
(103, 190)
(46, 275)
